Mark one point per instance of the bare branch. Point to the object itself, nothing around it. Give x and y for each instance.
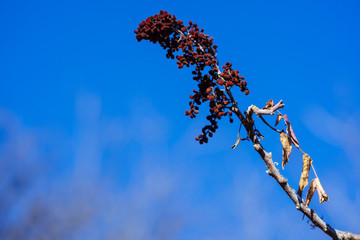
(269, 111)
(274, 172)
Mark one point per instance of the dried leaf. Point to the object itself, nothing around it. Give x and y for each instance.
(269, 104)
(315, 184)
(278, 118)
(236, 143)
(286, 143)
(290, 131)
(304, 179)
(310, 192)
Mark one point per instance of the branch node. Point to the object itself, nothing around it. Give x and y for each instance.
(282, 180)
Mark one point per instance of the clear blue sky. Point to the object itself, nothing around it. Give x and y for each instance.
(96, 119)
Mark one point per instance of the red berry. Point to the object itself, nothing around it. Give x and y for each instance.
(210, 97)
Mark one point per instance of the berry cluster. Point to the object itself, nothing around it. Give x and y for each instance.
(232, 78)
(161, 28)
(198, 50)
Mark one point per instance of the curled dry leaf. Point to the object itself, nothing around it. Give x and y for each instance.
(286, 143)
(304, 179)
(290, 131)
(315, 184)
(236, 143)
(269, 104)
(278, 118)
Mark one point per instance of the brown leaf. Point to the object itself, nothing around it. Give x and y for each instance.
(315, 184)
(290, 131)
(278, 118)
(269, 104)
(304, 179)
(236, 143)
(286, 143)
(310, 192)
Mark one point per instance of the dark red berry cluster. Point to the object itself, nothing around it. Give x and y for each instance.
(232, 78)
(161, 28)
(198, 50)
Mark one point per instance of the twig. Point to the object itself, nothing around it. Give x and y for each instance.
(276, 130)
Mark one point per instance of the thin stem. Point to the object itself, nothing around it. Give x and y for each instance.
(276, 130)
(313, 168)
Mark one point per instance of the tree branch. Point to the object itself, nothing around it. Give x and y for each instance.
(273, 171)
(198, 50)
(269, 111)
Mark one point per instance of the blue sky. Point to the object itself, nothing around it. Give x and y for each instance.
(93, 121)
